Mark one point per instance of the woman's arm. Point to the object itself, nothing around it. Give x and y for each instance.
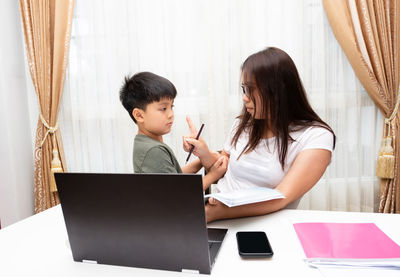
(306, 170)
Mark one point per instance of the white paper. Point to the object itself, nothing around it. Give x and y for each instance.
(246, 196)
(360, 263)
(355, 272)
(354, 267)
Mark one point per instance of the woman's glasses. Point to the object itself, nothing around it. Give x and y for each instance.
(246, 90)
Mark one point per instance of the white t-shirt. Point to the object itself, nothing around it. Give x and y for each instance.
(261, 167)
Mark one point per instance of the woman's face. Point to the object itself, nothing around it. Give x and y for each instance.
(249, 89)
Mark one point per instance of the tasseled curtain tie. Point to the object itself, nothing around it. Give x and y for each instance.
(386, 160)
(55, 162)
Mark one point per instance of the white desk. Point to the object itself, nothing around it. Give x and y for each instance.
(38, 246)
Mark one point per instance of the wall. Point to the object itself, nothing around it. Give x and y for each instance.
(16, 155)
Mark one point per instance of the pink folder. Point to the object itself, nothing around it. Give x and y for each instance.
(345, 241)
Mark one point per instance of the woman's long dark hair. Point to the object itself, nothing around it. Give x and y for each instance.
(283, 98)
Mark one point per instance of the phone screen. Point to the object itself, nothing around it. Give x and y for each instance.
(253, 244)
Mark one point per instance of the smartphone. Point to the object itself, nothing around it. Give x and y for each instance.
(253, 244)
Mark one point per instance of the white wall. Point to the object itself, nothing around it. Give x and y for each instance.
(16, 155)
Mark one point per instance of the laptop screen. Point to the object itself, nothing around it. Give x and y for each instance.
(141, 220)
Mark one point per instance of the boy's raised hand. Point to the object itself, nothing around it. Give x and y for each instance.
(200, 146)
(193, 134)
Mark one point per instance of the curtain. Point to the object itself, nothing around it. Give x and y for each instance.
(199, 46)
(368, 32)
(47, 28)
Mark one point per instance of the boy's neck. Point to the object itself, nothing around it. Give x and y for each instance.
(150, 135)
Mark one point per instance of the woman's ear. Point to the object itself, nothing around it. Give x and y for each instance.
(138, 114)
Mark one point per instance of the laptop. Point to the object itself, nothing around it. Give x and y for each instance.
(152, 221)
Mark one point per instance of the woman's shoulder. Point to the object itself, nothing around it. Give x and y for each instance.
(308, 130)
(235, 123)
(234, 127)
(313, 136)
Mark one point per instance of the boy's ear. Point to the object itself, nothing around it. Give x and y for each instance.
(138, 114)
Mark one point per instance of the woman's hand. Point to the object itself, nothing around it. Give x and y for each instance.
(215, 210)
(219, 168)
(216, 171)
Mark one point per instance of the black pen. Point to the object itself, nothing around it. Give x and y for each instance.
(197, 137)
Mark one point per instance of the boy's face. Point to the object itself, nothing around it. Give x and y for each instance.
(158, 117)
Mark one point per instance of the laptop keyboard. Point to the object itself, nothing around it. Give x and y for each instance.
(213, 248)
(216, 235)
(214, 245)
(215, 238)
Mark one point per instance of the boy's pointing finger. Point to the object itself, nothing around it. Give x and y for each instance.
(192, 128)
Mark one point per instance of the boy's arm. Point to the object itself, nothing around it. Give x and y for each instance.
(193, 167)
(208, 180)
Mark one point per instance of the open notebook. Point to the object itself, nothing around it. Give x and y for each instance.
(246, 196)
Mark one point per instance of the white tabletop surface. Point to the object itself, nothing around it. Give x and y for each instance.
(38, 246)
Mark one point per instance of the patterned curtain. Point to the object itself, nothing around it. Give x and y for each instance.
(368, 32)
(47, 29)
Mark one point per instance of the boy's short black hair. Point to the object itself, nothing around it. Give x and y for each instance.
(144, 88)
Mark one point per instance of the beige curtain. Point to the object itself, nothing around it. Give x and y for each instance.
(368, 32)
(47, 29)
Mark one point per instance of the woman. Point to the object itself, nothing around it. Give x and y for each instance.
(277, 141)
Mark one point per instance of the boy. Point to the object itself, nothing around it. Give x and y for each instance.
(149, 100)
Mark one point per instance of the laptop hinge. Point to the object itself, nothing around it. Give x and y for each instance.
(89, 261)
(192, 271)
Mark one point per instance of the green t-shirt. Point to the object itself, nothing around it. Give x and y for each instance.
(152, 156)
